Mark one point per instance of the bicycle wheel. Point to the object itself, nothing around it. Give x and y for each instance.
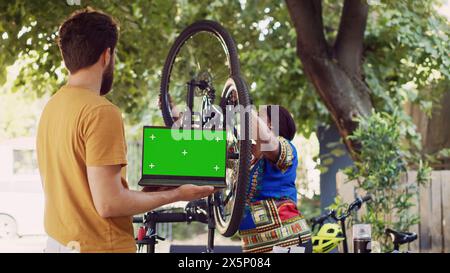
(230, 202)
(204, 51)
(203, 59)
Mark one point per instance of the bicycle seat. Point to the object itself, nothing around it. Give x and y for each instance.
(401, 237)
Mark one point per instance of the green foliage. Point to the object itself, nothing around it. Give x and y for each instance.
(337, 149)
(310, 207)
(406, 48)
(18, 114)
(406, 54)
(28, 30)
(405, 60)
(338, 205)
(381, 172)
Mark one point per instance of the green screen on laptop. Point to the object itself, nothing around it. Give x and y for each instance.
(183, 154)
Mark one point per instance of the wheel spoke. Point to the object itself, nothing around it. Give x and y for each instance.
(227, 199)
(206, 48)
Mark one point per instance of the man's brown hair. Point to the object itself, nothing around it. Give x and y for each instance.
(84, 36)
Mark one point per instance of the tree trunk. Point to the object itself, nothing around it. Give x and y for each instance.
(335, 71)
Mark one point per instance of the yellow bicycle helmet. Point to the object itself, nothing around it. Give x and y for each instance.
(327, 238)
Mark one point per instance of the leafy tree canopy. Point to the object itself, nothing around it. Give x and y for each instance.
(405, 50)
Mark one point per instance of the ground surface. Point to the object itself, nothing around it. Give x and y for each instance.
(36, 244)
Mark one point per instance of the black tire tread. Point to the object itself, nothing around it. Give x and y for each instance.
(243, 179)
(203, 25)
(244, 99)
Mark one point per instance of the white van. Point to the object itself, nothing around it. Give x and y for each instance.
(21, 195)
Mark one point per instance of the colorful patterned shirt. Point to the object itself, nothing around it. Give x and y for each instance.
(275, 181)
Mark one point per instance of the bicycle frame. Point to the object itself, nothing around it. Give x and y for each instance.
(341, 219)
(199, 85)
(207, 101)
(191, 214)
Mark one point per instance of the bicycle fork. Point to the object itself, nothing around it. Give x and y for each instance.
(344, 233)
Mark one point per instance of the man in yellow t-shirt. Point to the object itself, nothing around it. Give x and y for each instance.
(82, 150)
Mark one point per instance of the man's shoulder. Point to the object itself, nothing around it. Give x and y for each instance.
(82, 96)
(89, 102)
(103, 108)
(80, 103)
(101, 104)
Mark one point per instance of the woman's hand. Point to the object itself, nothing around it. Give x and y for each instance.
(267, 143)
(256, 153)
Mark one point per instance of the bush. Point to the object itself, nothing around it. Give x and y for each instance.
(380, 170)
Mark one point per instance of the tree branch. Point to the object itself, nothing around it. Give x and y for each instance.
(307, 18)
(348, 47)
(342, 91)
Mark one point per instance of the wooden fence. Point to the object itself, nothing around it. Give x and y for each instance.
(432, 205)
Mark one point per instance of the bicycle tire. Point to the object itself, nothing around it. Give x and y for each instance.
(244, 169)
(230, 228)
(204, 25)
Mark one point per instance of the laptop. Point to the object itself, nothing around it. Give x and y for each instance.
(173, 157)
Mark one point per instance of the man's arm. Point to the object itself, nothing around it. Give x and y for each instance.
(112, 199)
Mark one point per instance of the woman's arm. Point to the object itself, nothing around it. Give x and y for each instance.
(266, 141)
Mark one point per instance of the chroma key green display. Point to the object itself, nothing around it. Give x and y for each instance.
(197, 153)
